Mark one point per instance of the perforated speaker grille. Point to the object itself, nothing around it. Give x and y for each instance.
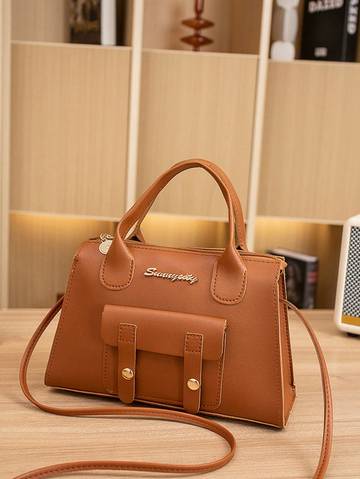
(351, 305)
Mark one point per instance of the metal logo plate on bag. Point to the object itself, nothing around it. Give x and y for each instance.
(189, 278)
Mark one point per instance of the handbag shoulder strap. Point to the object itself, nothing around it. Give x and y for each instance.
(326, 387)
(162, 414)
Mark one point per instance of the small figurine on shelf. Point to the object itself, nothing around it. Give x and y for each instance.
(284, 30)
(196, 40)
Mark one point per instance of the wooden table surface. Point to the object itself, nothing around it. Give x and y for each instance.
(30, 438)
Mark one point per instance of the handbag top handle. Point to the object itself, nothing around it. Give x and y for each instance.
(229, 275)
(240, 239)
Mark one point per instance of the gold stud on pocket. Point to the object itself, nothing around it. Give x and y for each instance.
(127, 373)
(193, 384)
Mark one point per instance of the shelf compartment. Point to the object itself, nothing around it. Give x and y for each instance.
(69, 131)
(196, 105)
(320, 240)
(310, 164)
(184, 231)
(40, 20)
(41, 249)
(236, 29)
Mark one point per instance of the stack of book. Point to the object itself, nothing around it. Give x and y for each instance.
(97, 21)
(301, 277)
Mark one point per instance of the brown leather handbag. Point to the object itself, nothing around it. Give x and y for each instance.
(197, 330)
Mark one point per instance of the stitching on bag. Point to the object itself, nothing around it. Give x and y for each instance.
(277, 349)
(121, 465)
(231, 194)
(197, 346)
(130, 328)
(105, 367)
(328, 394)
(224, 299)
(221, 368)
(173, 402)
(286, 327)
(68, 295)
(108, 384)
(220, 374)
(218, 386)
(179, 403)
(62, 316)
(116, 286)
(236, 210)
(203, 253)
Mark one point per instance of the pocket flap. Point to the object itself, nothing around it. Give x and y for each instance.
(163, 332)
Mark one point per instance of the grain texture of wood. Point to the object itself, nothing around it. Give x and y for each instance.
(69, 128)
(5, 86)
(184, 231)
(40, 20)
(31, 438)
(310, 164)
(41, 249)
(196, 105)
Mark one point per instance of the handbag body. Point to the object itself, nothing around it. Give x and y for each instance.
(195, 330)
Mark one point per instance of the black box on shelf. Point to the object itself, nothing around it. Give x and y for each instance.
(330, 30)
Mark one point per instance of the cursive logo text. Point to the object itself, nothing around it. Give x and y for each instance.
(190, 278)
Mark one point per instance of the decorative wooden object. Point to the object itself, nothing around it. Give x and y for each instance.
(196, 40)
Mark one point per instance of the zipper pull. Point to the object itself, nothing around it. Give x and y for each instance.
(106, 240)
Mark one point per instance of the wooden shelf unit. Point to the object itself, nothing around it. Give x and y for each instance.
(40, 20)
(69, 126)
(196, 106)
(5, 86)
(310, 166)
(236, 29)
(41, 250)
(47, 21)
(85, 142)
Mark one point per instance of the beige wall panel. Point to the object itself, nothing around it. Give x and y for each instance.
(41, 252)
(69, 128)
(196, 105)
(40, 20)
(5, 41)
(184, 232)
(245, 25)
(323, 241)
(236, 29)
(310, 165)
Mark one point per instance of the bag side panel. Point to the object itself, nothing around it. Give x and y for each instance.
(288, 374)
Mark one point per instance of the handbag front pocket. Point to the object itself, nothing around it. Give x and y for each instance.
(163, 357)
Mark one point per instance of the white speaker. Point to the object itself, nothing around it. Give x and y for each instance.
(347, 307)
